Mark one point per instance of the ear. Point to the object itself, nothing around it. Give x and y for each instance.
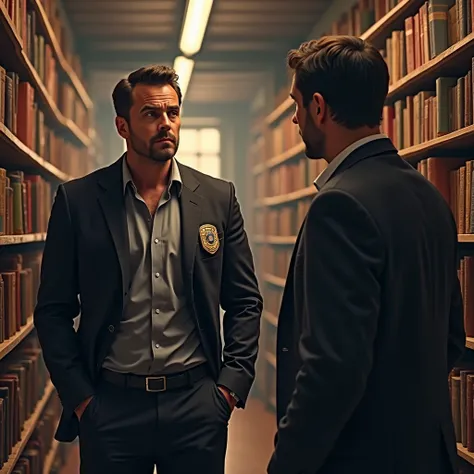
(122, 127)
(318, 108)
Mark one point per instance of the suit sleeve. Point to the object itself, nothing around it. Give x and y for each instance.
(242, 302)
(57, 306)
(343, 259)
(457, 335)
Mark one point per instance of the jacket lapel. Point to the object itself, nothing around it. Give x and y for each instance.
(190, 209)
(111, 200)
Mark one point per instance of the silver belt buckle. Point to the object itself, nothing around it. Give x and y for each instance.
(161, 382)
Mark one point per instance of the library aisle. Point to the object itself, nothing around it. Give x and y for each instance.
(59, 62)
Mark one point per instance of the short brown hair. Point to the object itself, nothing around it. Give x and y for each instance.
(149, 75)
(348, 72)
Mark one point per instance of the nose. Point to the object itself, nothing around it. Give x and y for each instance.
(164, 123)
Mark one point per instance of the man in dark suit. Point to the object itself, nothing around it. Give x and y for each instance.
(371, 320)
(147, 249)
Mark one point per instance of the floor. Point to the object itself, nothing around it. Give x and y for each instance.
(251, 434)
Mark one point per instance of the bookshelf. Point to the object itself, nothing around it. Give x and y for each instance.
(47, 137)
(436, 140)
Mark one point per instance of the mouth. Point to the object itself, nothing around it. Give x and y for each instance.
(164, 140)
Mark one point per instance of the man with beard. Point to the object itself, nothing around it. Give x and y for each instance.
(371, 320)
(147, 249)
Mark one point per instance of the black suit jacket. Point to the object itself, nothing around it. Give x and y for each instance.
(86, 255)
(371, 323)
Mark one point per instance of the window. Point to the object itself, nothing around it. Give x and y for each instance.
(200, 149)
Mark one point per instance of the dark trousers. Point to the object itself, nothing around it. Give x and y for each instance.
(129, 431)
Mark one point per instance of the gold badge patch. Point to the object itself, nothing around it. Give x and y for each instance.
(209, 238)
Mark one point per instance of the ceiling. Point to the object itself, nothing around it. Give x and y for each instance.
(244, 40)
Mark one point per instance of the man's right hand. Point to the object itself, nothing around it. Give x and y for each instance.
(81, 408)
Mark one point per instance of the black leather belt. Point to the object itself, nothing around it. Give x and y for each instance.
(156, 383)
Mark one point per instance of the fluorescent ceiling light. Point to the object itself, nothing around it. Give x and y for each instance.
(184, 68)
(195, 24)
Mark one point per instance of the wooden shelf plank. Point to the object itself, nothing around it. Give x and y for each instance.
(270, 318)
(270, 358)
(274, 280)
(50, 458)
(7, 346)
(452, 62)
(22, 239)
(293, 196)
(14, 58)
(465, 454)
(67, 68)
(466, 238)
(279, 111)
(275, 239)
(287, 155)
(15, 154)
(457, 140)
(470, 342)
(28, 430)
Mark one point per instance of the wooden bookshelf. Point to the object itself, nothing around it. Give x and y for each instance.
(47, 137)
(16, 153)
(470, 344)
(17, 60)
(465, 454)
(22, 239)
(28, 430)
(277, 157)
(7, 346)
(66, 67)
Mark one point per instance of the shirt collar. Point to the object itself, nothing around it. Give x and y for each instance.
(175, 180)
(326, 174)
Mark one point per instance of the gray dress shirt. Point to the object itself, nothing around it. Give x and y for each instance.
(157, 334)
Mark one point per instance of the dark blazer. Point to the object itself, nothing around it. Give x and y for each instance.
(371, 323)
(86, 255)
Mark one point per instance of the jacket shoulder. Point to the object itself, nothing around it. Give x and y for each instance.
(209, 183)
(85, 181)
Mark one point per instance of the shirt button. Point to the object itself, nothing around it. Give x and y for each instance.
(157, 346)
(157, 275)
(111, 328)
(156, 241)
(157, 311)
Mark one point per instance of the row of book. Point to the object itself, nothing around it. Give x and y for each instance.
(453, 178)
(284, 135)
(466, 279)
(425, 36)
(21, 112)
(23, 379)
(25, 203)
(40, 53)
(292, 175)
(275, 260)
(19, 283)
(281, 220)
(430, 114)
(33, 457)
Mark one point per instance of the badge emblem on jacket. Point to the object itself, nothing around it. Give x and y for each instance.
(209, 238)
